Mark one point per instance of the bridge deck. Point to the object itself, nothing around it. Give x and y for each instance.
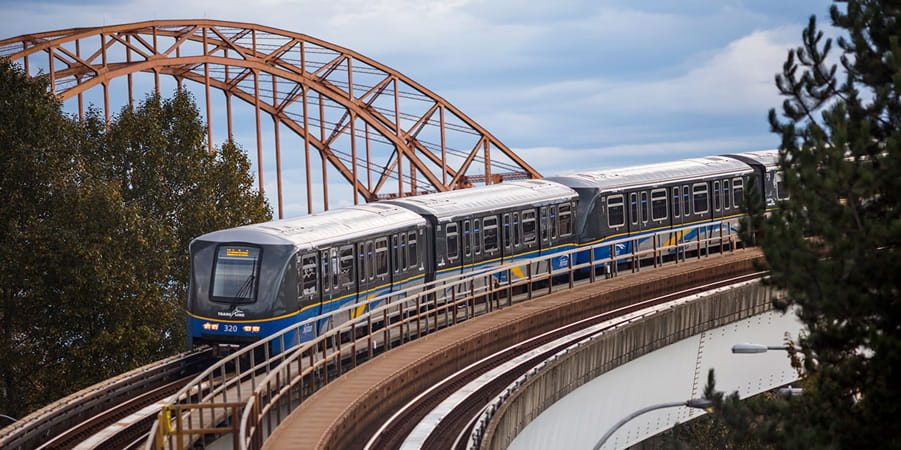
(346, 412)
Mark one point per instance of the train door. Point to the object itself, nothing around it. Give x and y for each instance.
(677, 217)
(491, 248)
(717, 197)
(544, 228)
(307, 280)
(381, 264)
(506, 237)
(466, 237)
(451, 248)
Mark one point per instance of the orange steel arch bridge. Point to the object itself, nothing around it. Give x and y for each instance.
(346, 114)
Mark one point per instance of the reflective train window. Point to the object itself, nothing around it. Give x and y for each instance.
(554, 224)
(528, 227)
(716, 195)
(308, 275)
(334, 268)
(676, 201)
(411, 248)
(381, 256)
(737, 191)
(686, 203)
(658, 204)
(402, 252)
(235, 274)
(699, 191)
(452, 241)
(508, 236)
(370, 261)
(517, 230)
(346, 274)
(633, 208)
(615, 211)
(727, 197)
(476, 237)
(644, 207)
(326, 279)
(467, 239)
(780, 187)
(490, 233)
(566, 217)
(544, 225)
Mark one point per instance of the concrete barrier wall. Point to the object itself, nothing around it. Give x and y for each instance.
(617, 347)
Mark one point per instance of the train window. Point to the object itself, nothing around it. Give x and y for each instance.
(699, 192)
(307, 275)
(490, 234)
(528, 227)
(644, 207)
(737, 191)
(467, 239)
(780, 187)
(411, 249)
(370, 261)
(403, 251)
(235, 274)
(633, 208)
(544, 225)
(476, 237)
(346, 275)
(508, 234)
(676, 201)
(326, 279)
(517, 230)
(452, 244)
(554, 222)
(658, 204)
(333, 263)
(686, 202)
(566, 217)
(395, 253)
(362, 265)
(381, 256)
(727, 199)
(615, 211)
(716, 195)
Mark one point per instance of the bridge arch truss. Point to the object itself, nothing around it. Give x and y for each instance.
(381, 132)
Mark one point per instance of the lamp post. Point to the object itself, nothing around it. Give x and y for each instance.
(700, 403)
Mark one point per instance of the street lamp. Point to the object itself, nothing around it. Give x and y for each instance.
(760, 348)
(700, 403)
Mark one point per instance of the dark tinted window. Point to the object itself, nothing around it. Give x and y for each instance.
(615, 212)
(235, 274)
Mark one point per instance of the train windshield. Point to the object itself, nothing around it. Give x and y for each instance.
(235, 274)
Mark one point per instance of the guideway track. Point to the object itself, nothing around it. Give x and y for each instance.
(455, 423)
(347, 412)
(71, 421)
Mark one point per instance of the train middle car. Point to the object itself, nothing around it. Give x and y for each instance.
(251, 281)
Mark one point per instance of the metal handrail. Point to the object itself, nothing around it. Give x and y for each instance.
(407, 309)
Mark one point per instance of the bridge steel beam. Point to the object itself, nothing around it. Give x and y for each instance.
(334, 100)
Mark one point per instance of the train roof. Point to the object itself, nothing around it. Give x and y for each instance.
(322, 228)
(446, 205)
(766, 158)
(654, 174)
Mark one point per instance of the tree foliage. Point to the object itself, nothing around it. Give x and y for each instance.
(96, 220)
(834, 245)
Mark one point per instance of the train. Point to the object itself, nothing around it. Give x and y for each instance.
(249, 282)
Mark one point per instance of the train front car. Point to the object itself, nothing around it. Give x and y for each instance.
(252, 281)
(236, 294)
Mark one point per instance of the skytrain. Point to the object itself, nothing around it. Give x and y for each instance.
(252, 281)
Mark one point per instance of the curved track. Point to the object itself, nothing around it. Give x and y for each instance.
(114, 414)
(474, 386)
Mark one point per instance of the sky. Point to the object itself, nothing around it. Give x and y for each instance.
(566, 84)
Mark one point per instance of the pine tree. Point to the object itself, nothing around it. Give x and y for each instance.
(96, 219)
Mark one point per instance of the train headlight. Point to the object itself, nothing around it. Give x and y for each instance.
(251, 328)
(210, 326)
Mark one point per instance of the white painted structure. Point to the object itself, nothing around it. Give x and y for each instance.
(675, 373)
